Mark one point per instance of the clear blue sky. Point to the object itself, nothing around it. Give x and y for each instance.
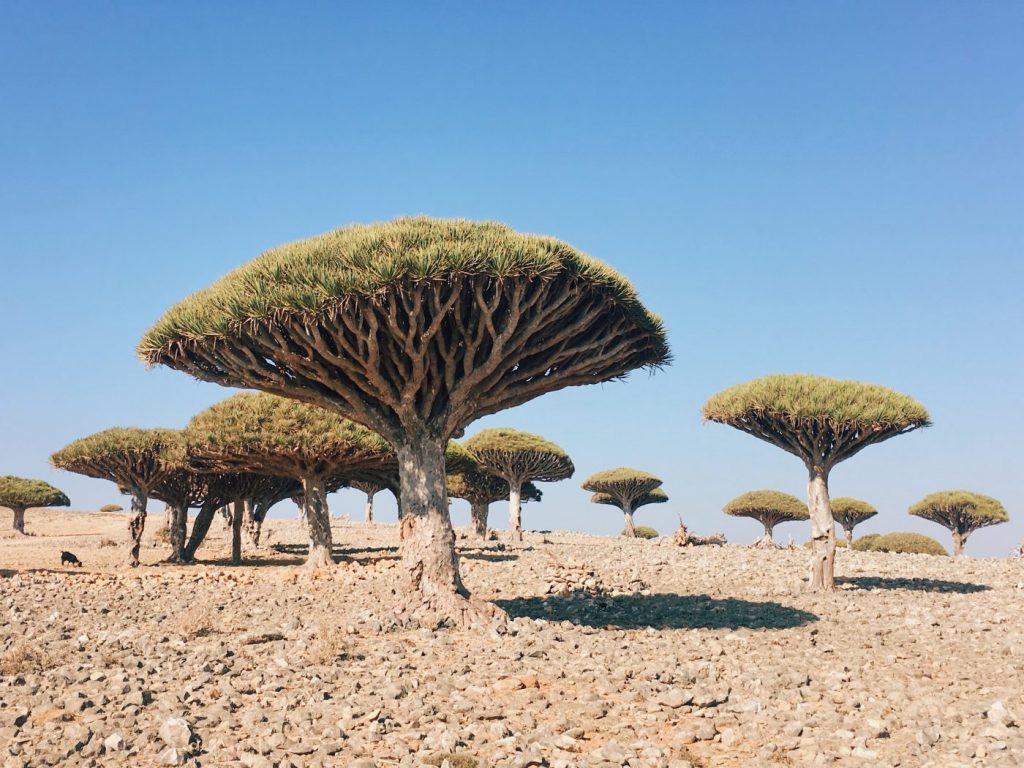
(834, 188)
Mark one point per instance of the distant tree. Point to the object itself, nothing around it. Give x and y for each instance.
(20, 493)
(111, 508)
(627, 488)
(481, 490)
(865, 542)
(415, 328)
(517, 458)
(370, 488)
(769, 508)
(180, 488)
(908, 544)
(264, 434)
(135, 459)
(962, 512)
(822, 421)
(642, 532)
(850, 513)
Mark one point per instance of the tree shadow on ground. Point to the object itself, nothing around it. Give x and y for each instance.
(917, 585)
(247, 562)
(489, 556)
(659, 611)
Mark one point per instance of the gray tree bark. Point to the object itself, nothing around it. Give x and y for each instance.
(19, 519)
(200, 528)
(768, 539)
(515, 510)
(959, 539)
(368, 518)
(823, 532)
(253, 526)
(318, 522)
(237, 517)
(179, 524)
(848, 535)
(627, 512)
(478, 517)
(434, 591)
(136, 525)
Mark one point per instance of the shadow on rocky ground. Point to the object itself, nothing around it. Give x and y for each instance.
(658, 611)
(918, 585)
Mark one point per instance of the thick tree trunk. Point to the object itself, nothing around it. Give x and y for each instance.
(434, 593)
(179, 526)
(478, 518)
(959, 539)
(19, 519)
(237, 517)
(136, 525)
(318, 522)
(368, 517)
(768, 540)
(627, 513)
(823, 532)
(253, 526)
(200, 528)
(515, 510)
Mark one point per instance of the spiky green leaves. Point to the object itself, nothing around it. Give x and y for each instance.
(960, 511)
(656, 496)
(480, 488)
(265, 434)
(519, 456)
(760, 505)
(819, 419)
(22, 493)
(130, 457)
(850, 512)
(624, 484)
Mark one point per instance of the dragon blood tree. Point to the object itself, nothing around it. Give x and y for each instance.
(371, 489)
(481, 490)
(962, 512)
(137, 460)
(180, 488)
(415, 328)
(264, 434)
(19, 494)
(655, 496)
(822, 421)
(850, 513)
(769, 508)
(517, 458)
(627, 487)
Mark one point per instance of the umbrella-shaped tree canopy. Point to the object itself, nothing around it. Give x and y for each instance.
(518, 457)
(627, 486)
(415, 328)
(135, 459)
(822, 421)
(962, 512)
(481, 490)
(20, 493)
(850, 513)
(767, 507)
(656, 496)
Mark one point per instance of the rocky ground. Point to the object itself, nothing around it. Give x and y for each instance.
(618, 653)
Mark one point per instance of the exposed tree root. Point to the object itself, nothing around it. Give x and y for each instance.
(450, 610)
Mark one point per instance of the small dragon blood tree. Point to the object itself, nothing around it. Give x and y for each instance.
(517, 458)
(481, 490)
(627, 487)
(415, 328)
(371, 488)
(850, 513)
(137, 460)
(264, 434)
(821, 421)
(962, 512)
(19, 494)
(769, 508)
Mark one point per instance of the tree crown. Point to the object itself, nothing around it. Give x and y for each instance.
(512, 454)
(779, 506)
(124, 455)
(848, 511)
(655, 496)
(960, 510)
(624, 483)
(25, 492)
(481, 488)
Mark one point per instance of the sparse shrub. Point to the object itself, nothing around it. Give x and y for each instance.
(326, 647)
(111, 508)
(197, 621)
(642, 532)
(455, 759)
(23, 658)
(908, 543)
(107, 543)
(866, 543)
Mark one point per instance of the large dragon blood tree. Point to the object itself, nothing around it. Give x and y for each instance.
(517, 458)
(259, 433)
(20, 493)
(962, 512)
(415, 328)
(137, 460)
(481, 490)
(822, 421)
(769, 508)
(849, 513)
(627, 487)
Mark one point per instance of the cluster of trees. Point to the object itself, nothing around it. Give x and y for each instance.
(375, 345)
